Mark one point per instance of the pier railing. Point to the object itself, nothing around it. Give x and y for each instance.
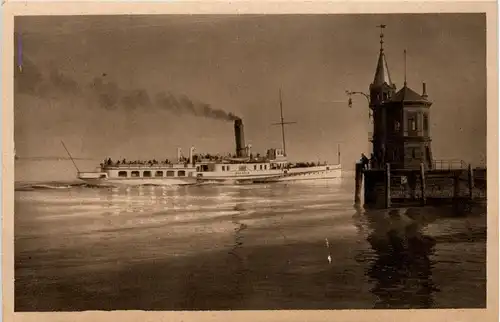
(436, 165)
(449, 165)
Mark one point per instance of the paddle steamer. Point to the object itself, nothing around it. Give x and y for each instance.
(243, 167)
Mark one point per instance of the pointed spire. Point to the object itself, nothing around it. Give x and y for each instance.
(382, 73)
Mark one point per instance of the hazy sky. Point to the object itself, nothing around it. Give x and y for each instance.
(128, 86)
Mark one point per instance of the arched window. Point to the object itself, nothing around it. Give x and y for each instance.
(122, 174)
(134, 174)
(170, 173)
(159, 174)
(181, 173)
(146, 174)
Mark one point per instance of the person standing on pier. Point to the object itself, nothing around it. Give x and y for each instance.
(364, 161)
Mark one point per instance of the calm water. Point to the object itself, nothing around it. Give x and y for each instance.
(295, 246)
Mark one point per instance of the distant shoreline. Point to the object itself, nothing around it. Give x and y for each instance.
(51, 159)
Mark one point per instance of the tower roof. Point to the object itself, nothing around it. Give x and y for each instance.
(406, 94)
(382, 73)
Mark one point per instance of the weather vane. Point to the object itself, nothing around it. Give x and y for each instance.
(382, 27)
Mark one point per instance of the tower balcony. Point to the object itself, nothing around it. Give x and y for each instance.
(417, 133)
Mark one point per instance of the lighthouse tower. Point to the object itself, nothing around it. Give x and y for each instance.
(401, 133)
(381, 91)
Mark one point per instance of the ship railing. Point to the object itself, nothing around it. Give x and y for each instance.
(146, 166)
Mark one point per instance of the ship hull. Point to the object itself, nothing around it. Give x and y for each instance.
(110, 178)
(295, 174)
(307, 174)
(141, 182)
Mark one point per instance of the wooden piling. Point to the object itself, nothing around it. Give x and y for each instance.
(387, 185)
(422, 183)
(471, 182)
(412, 182)
(456, 186)
(359, 182)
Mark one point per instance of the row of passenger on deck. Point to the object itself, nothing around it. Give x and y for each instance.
(110, 162)
(182, 159)
(196, 158)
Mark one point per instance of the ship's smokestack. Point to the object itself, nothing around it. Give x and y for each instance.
(240, 138)
(191, 155)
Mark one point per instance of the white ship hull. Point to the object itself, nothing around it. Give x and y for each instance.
(141, 175)
(140, 182)
(295, 174)
(110, 178)
(313, 173)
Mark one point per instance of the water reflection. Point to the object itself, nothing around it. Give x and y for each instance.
(402, 269)
(238, 269)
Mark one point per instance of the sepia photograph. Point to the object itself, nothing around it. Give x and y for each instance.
(216, 162)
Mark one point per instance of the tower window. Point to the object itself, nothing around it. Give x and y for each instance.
(384, 95)
(426, 122)
(412, 125)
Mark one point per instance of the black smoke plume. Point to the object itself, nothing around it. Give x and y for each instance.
(30, 80)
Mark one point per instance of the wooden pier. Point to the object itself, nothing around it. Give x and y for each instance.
(446, 183)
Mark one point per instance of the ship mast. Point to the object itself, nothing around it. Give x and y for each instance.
(283, 123)
(69, 154)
